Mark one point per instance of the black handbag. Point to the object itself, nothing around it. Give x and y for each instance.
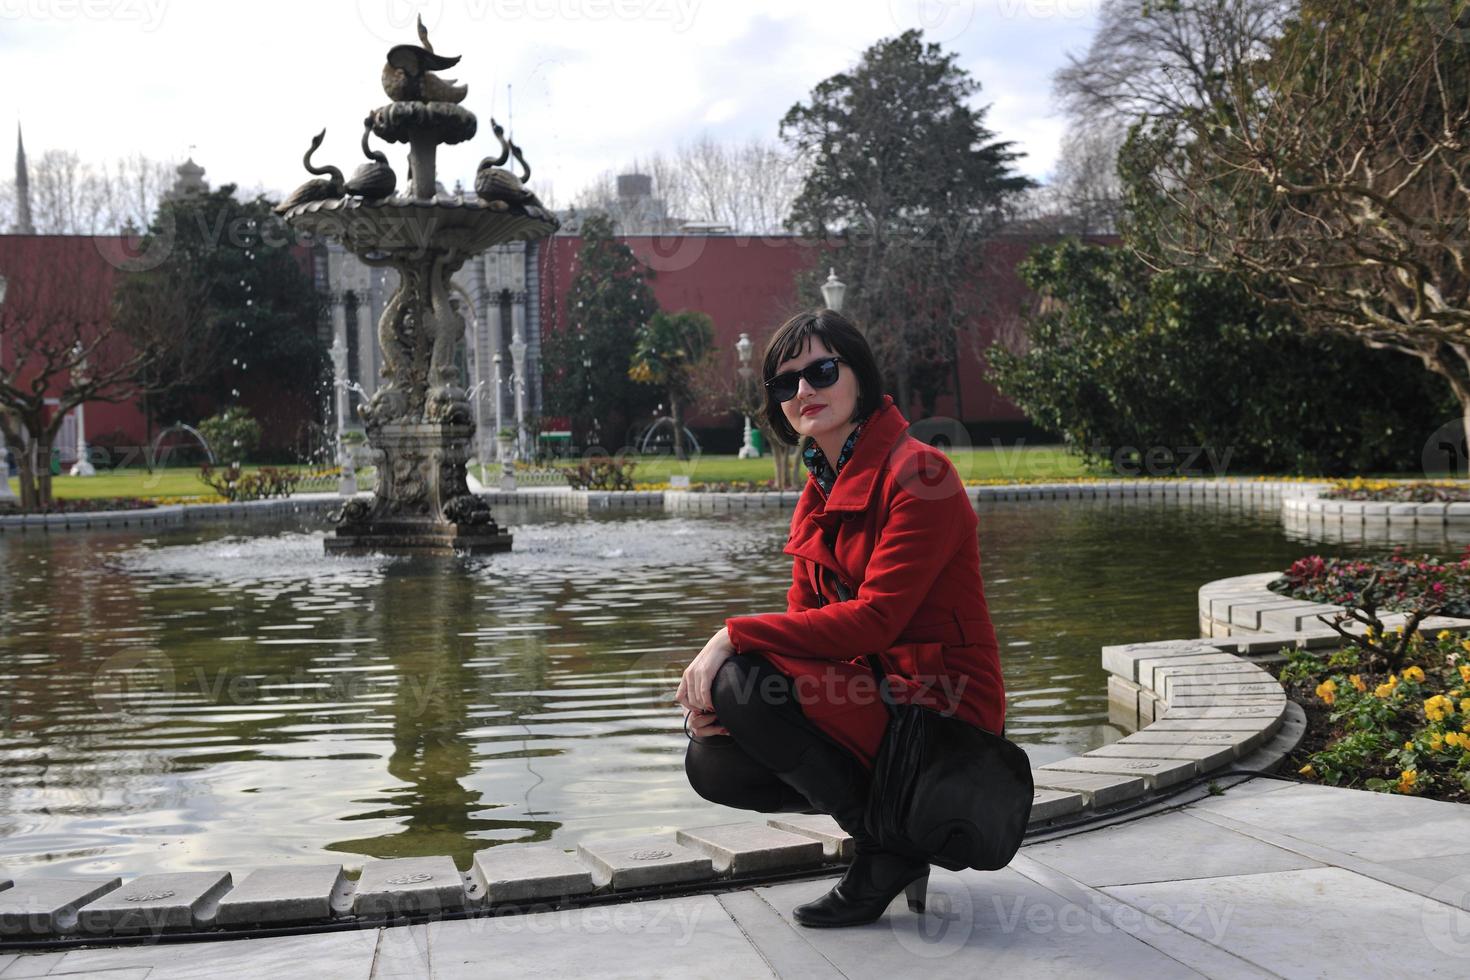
(945, 791)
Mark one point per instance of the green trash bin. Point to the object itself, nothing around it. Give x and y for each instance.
(757, 440)
(55, 461)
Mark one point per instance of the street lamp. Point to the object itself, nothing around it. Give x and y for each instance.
(742, 348)
(832, 291)
(83, 465)
(347, 477)
(6, 496)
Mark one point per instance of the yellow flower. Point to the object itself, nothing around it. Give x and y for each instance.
(1407, 779)
(1443, 635)
(1465, 644)
(1357, 682)
(1465, 672)
(1307, 770)
(1370, 634)
(1465, 705)
(1327, 691)
(1437, 707)
(1383, 690)
(1458, 739)
(1436, 741)
(1414, 674)
(1408, 745)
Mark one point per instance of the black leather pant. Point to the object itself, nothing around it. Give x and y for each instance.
(769, 736)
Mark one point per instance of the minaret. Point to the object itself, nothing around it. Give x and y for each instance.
(23, 224)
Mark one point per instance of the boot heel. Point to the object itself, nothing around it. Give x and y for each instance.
(916, 890)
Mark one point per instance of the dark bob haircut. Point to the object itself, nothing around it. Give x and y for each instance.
(841, 338)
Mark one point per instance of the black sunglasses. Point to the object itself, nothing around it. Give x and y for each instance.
(818, 374)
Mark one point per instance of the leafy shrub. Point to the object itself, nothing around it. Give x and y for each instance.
(1399, 492)
(233, 435)
(234, 484)
(601, 474)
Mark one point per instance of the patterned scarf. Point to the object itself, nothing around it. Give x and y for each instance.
(816, 460)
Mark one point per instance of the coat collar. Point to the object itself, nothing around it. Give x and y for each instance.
(853, 489)
(854, 485)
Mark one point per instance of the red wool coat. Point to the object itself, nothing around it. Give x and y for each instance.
(906, 548)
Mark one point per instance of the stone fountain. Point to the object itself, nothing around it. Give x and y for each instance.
(419, 423)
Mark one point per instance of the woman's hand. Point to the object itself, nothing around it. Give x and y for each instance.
(703, 724)
(699, 676)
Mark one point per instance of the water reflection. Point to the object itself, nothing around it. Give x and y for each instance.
(200, 699)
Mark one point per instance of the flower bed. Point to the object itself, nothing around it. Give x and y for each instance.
(1397, 583)
(1403, 730)
(1398, 492)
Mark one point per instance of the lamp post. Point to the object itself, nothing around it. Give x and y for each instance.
(518, 361)
(83, 465)
(742, 348)
(833, 290)
(7, 497)
(347, 481)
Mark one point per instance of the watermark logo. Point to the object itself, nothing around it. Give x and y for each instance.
(148, 14)
(396, 21)
(133, 681)
(1443, 918)
(940, 20)
(1446, 452)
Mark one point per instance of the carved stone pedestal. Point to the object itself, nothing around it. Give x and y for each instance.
(422, 504)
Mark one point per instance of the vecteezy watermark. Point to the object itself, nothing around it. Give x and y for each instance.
(1446, 452)
(1160, 460)
(133, 680)
(940, 20)
(1444, 920)
(952, 912)
(148, 14)
(396, 21)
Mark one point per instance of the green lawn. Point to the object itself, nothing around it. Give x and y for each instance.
(1020, 465)
(132, 483)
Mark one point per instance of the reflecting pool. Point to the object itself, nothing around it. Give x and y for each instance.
(206, 699)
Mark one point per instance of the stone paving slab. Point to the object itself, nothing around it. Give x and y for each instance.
(746, 847)
(291, 893)
(1204, 757)
(1251, 714)
(152, 903)
(651, 859)
(1123, 659)
(526, 873)
(1316, 922)
(1098, 788)
(688, 936)
(1155, 773)
(1151, 672)
(836, 844)
(1164, 847)
(401, 886)
(999, 924)
(48, 906)
(1048, 804)
(1235, 741)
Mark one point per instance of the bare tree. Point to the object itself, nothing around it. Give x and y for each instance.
(70, 196)
(60, 346)
(1162, 59)
(1332, 177)
(748, 187)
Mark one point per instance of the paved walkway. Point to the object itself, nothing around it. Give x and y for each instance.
(1270, 879)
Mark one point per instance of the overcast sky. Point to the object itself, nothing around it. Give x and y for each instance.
(595, 83)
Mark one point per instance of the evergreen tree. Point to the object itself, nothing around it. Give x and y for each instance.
(908, 179)
(586, 362)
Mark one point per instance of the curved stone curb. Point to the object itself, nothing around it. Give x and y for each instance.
(670, 501)
(1242, 605)
(1202, 704)
(172, 515)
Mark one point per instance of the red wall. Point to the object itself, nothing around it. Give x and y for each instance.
(747, 283)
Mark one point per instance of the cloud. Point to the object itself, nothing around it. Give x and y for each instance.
(594, 84)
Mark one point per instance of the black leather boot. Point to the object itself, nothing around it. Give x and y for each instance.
(875, 876)
(871, 882)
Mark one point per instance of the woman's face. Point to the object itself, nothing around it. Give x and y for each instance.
(820, 412)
